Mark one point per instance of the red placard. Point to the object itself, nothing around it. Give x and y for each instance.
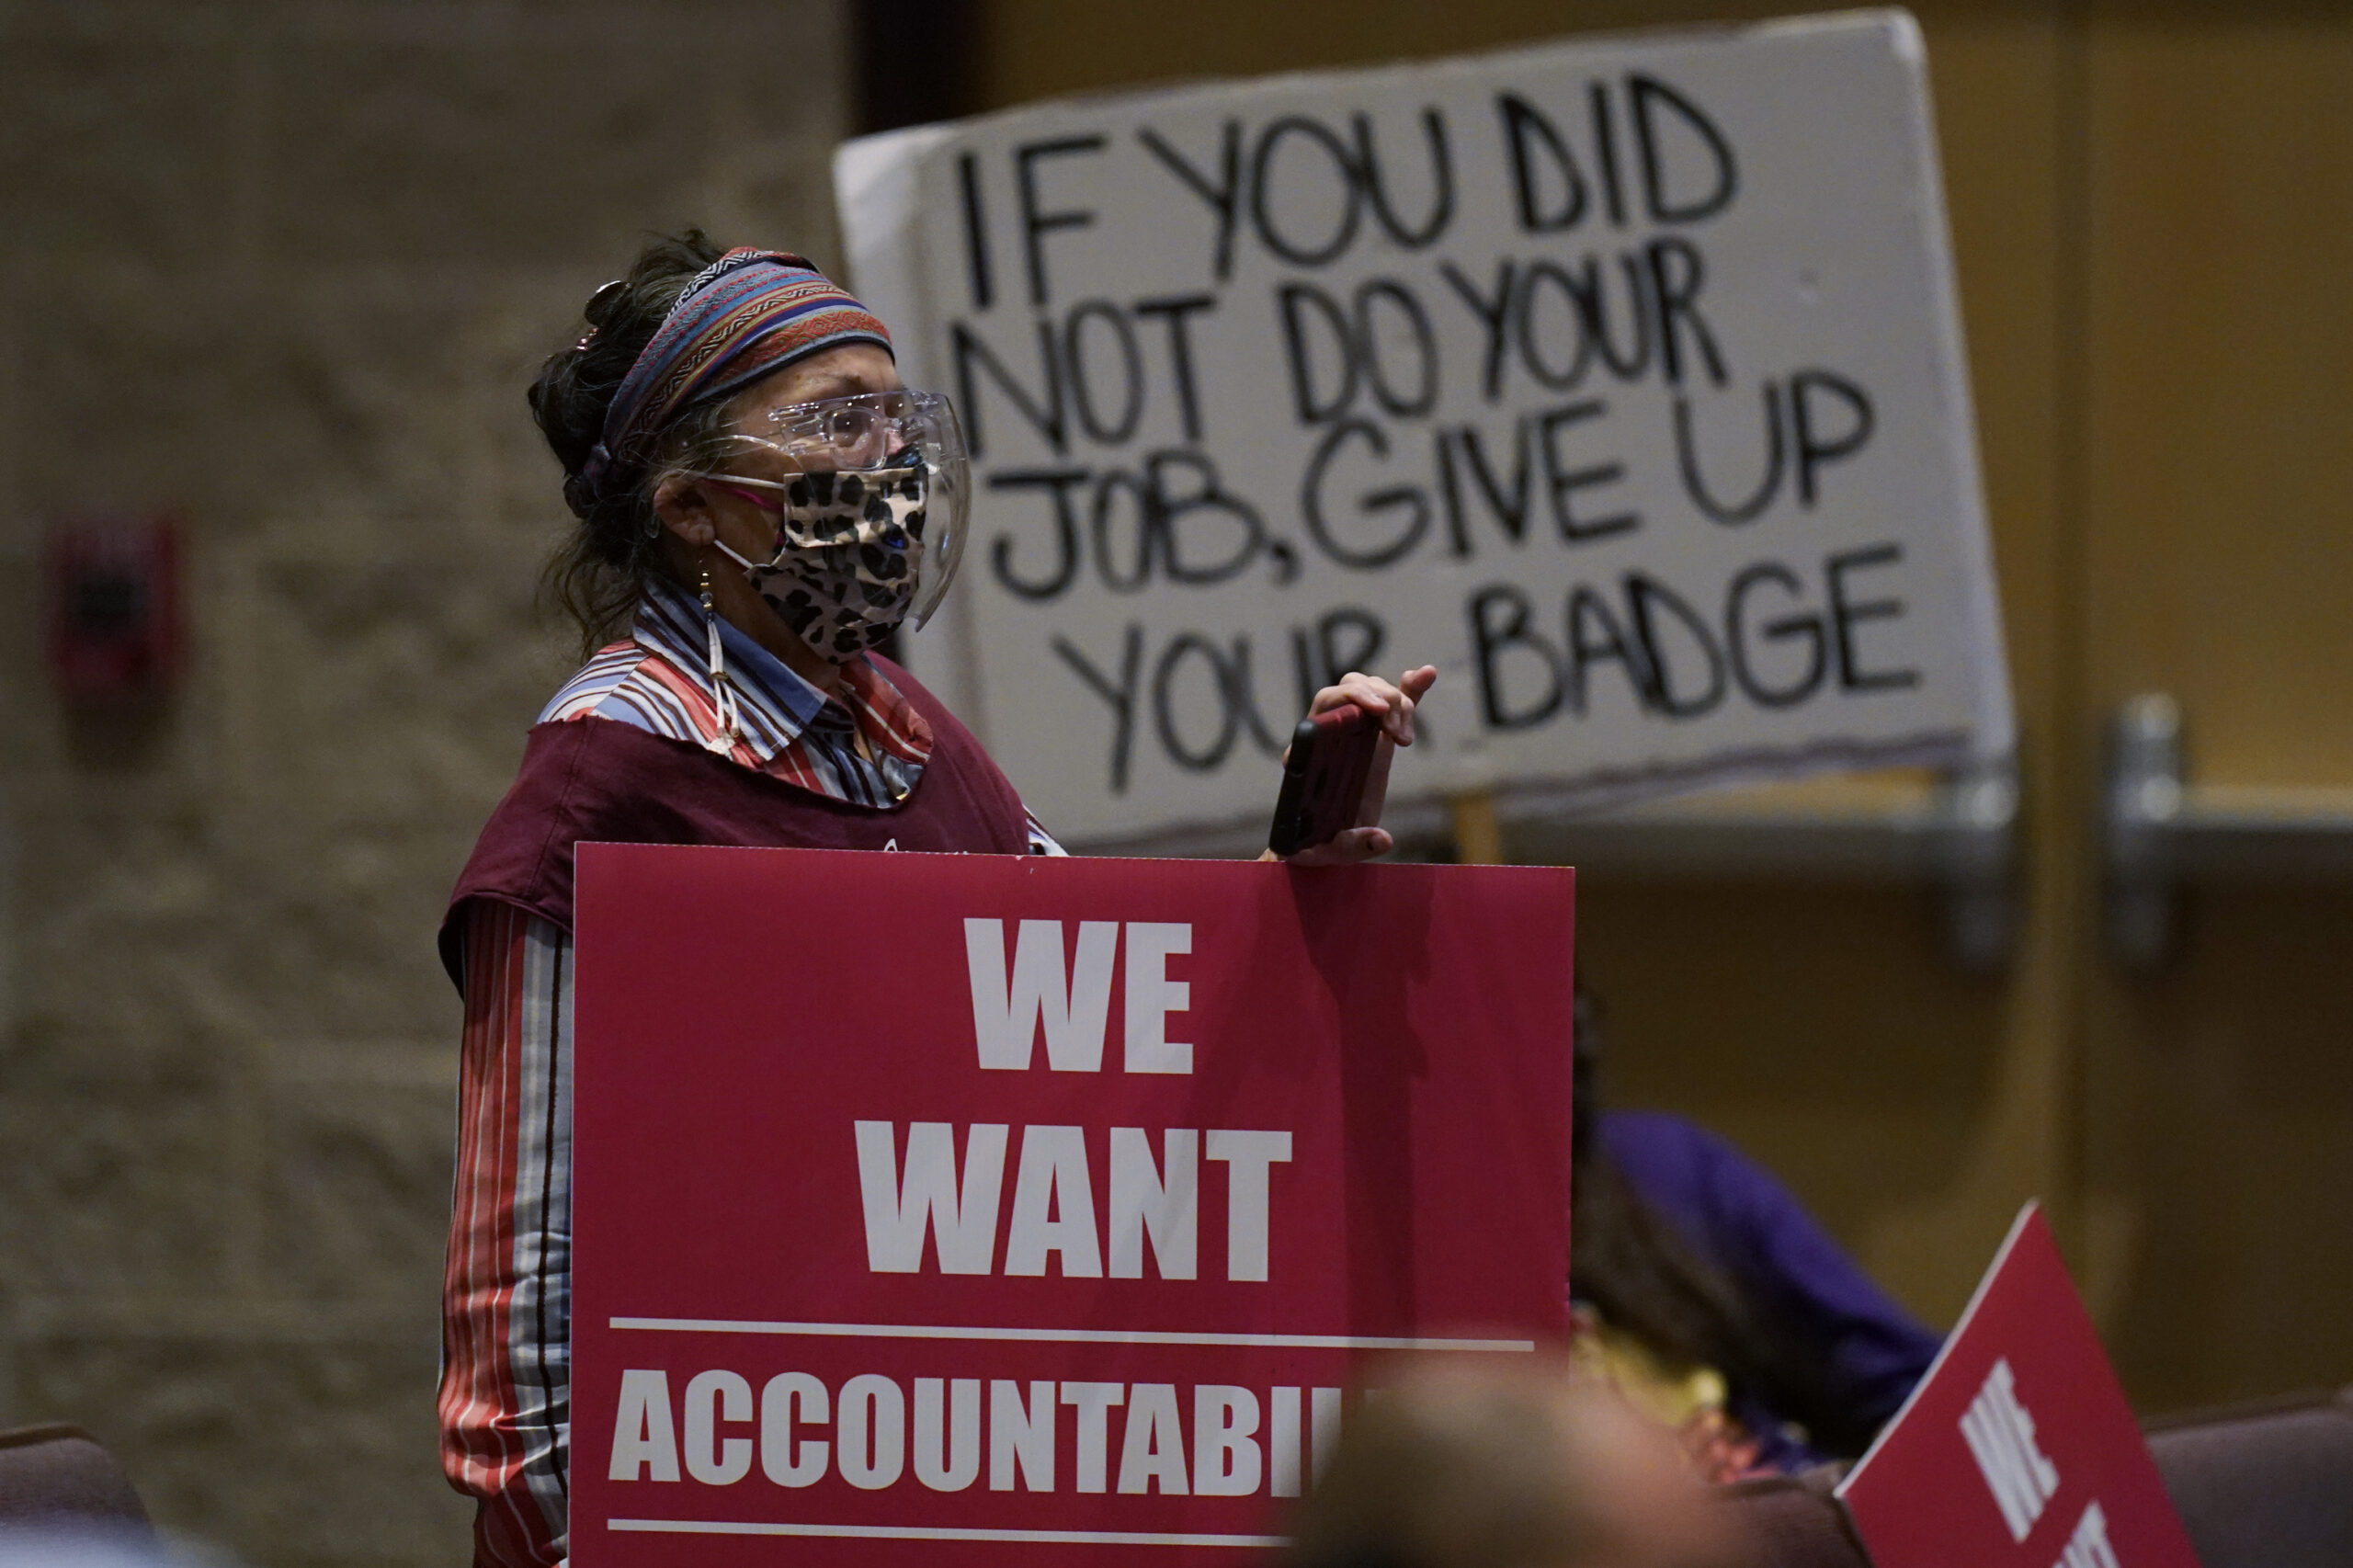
(971, 1207)
(2017, 1450)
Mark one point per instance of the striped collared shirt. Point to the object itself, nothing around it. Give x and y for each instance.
(659, 681)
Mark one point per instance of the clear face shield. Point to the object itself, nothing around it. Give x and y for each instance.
(871, 494)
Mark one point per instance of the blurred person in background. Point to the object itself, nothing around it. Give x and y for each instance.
(1703, 1289)
(1484, 1465)
(760, 501)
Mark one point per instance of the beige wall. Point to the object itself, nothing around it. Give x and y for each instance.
(288, 267)
(2150, 205)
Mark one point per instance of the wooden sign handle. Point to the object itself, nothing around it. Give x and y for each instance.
(1478, 836)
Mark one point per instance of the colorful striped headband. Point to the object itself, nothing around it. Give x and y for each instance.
(747, 313)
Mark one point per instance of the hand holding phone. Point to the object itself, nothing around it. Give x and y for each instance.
(1324, 774)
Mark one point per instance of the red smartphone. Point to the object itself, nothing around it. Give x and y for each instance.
(1323, 779)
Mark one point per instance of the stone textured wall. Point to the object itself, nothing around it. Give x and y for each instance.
(287, 268)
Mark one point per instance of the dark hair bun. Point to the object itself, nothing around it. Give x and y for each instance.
(576, 386)
(600, 571)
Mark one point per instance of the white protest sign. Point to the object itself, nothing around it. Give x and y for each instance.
(1622, 380)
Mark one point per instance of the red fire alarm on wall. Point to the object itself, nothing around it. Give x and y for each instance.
(112, 590)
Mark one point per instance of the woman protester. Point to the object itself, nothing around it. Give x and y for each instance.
(760, 501)
(1706, 1292)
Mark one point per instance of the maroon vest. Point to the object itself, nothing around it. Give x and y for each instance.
(598, 780)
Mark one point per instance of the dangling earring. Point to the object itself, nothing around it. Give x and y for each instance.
(722, 695)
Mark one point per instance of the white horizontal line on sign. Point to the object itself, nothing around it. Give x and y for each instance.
(921, 1532)
(1067, 1335)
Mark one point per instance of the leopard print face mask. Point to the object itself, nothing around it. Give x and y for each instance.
(848, 546)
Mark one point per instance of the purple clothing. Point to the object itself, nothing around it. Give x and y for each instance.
(1736, 1216)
